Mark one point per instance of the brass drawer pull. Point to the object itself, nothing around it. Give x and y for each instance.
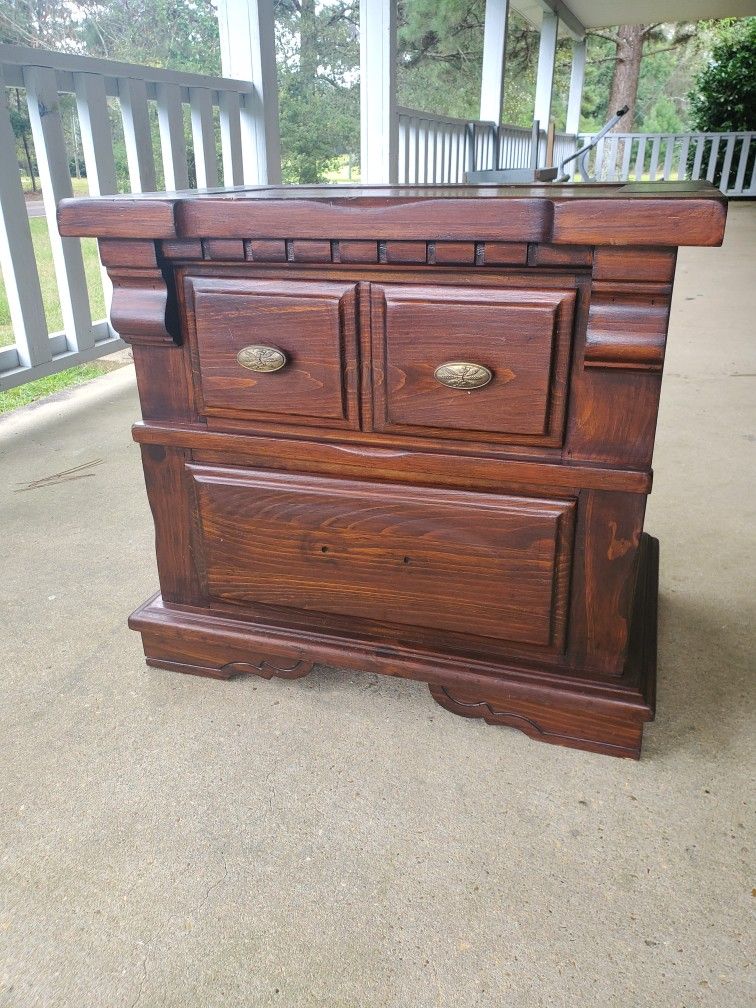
(261, 358)
(463, 375)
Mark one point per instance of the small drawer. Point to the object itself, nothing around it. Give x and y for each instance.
(479, 565)
(281, 352)
(471, 362)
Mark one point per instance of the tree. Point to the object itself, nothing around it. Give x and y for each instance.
(21, 125)
(630, 43)
(630, 40)
(46, 24)
(318, 71)
(440, 58)
(724, 96)
(440, 50)
(175, 34)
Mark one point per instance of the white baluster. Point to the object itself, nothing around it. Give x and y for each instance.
(55, 176)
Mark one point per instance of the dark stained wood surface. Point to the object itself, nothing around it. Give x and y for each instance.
(627, 328)
(646, 264)
(521, 336)
(689, 214)
(482, 566)
(408, 463)
(349, 508)
(563, 710)
(653, 222)
(311, 323)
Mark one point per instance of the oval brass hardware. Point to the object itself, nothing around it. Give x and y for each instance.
(261, 358)
(463, 375)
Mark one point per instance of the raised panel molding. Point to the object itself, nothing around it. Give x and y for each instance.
(388, 552)
(310, 323)
(522, 336)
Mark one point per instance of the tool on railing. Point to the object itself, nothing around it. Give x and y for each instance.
(512, 176)
(581, 155)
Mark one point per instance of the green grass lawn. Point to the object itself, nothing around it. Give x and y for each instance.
(43, 253)
(80, 187)
(341, 172)
(73, 376)
(22, 395)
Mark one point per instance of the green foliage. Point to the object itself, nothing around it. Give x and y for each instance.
(19, 118)
(599, 67)
(439, 55)
(671, 56)
(319, 124)
(50, 24)
(175, 34)
(440, 50)
(440, 59)
(724, 98)
(318, 71)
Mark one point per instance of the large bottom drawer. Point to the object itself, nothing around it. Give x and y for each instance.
(480, 564)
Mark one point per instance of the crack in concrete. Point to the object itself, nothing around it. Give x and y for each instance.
(214, 885)
(144, 977)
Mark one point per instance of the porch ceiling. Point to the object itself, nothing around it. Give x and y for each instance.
(604, 13)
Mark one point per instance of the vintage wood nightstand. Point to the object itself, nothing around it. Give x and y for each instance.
(407, 430)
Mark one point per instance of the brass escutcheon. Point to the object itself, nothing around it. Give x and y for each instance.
(261, 358)
(463, 375)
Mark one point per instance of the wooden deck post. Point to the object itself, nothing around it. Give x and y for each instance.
(248, 52)
(545, 74)
(494, 60)
(577, 76)
(379, 121)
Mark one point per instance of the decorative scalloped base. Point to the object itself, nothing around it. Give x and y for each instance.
(266, 668)
(554, 726)
(569, 709)
(568, 724)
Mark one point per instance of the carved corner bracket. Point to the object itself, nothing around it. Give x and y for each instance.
(627, 325)
(143, 309)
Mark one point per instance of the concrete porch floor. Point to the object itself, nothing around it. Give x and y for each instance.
(340, 840)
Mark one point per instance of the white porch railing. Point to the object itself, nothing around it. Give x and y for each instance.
(516, 143)
(438, 149)
(194, 113)
(728, 160)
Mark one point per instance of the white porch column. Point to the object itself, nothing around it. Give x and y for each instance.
(248, 52)
(494, 60)
(379, 123)
(545, 77)
(577, 76)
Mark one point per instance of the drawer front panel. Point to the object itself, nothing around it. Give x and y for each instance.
(478, 564)
(518, 340)
(307, 332)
